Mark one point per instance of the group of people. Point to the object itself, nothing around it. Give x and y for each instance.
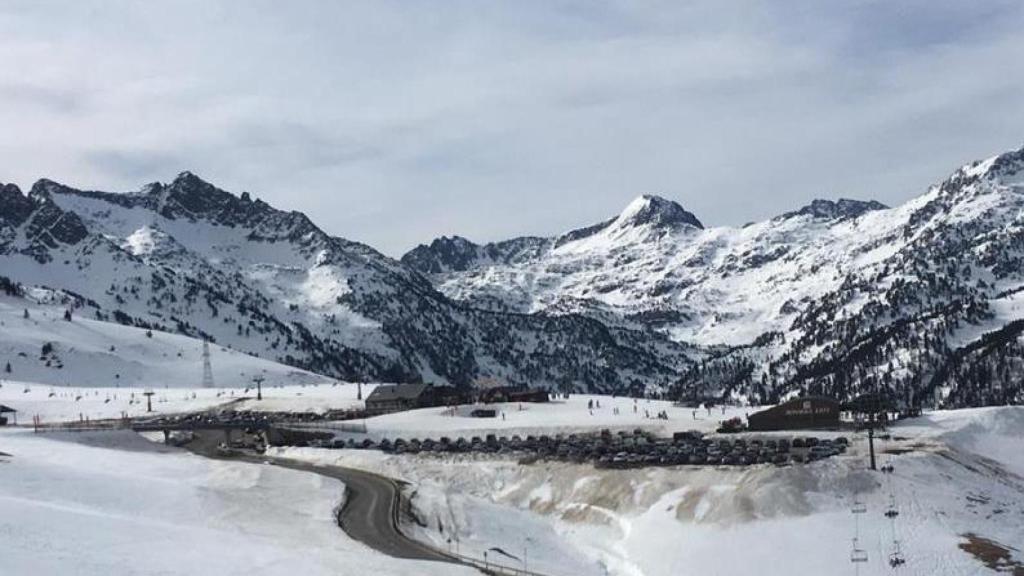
(594, 404)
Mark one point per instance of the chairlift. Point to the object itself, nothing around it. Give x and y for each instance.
(858, 555)
(896, 559)
(859, 507)
(892, 512)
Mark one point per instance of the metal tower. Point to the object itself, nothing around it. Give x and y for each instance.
(207, 368)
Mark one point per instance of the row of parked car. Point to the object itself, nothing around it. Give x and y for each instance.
(620, 450)
(235, 419)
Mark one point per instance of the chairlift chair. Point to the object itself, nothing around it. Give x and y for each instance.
(858, 555)
(859, 507)
(892, 512)
(896, 559)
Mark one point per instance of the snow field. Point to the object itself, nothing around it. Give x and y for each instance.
(562, 415)
(90, 353)
(958, 477)
(59, 404)
(112, 503)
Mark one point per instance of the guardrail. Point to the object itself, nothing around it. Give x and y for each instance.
(494, 568)
(171, 426)
(83, 425)
(485, 566)
(334, 426)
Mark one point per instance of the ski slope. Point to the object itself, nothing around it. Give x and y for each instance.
(62, 404)
(112, 503)
(567, 415)
(90, 353)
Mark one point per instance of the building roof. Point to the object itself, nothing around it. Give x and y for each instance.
(6, 409)
(781, 409)
(387, 392)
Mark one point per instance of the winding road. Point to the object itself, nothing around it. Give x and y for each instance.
(371, 510)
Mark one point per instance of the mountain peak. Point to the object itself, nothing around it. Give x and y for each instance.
(1008, 164)
(197, 196)
(444, 254)
(14, 206)
(188, 180)
(841, 209)
(658, 212)
(44, 189)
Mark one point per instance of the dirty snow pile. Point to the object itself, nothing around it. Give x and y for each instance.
(956, 482)
(77, 504)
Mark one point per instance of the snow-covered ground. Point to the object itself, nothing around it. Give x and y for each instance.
(72, 504)
(960, 474)
(956, 473)
(62, 404)
(87, 352)
(562, 415)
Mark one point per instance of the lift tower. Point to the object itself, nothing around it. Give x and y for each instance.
(207, 367)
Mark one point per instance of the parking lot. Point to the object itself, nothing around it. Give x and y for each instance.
(634, 449)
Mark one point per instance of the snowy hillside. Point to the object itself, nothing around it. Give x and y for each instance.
(838, 297)
(46, 348)
(190, 258)
(956, 485)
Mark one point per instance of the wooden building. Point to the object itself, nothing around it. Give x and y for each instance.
(806, 412)
(397, 397)
(511, 394)
(7, 410)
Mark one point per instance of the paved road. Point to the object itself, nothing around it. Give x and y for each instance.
(370, 513)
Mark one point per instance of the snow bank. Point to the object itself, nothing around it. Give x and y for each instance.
(69, 504)
(953, 475)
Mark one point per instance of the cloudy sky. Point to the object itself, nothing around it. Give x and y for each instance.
(395, 122)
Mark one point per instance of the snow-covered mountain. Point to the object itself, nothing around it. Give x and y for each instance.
(190, 258)
(40, 344)
(838, 297)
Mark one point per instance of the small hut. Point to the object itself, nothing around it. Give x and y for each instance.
(8, 410)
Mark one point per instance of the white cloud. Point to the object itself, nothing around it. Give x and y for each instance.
(393, 122)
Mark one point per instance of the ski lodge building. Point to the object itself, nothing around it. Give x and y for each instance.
(800, 413)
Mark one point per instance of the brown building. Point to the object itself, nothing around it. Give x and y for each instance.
(397, 397)
(7, 410)
(510, 394)
(806, 412)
